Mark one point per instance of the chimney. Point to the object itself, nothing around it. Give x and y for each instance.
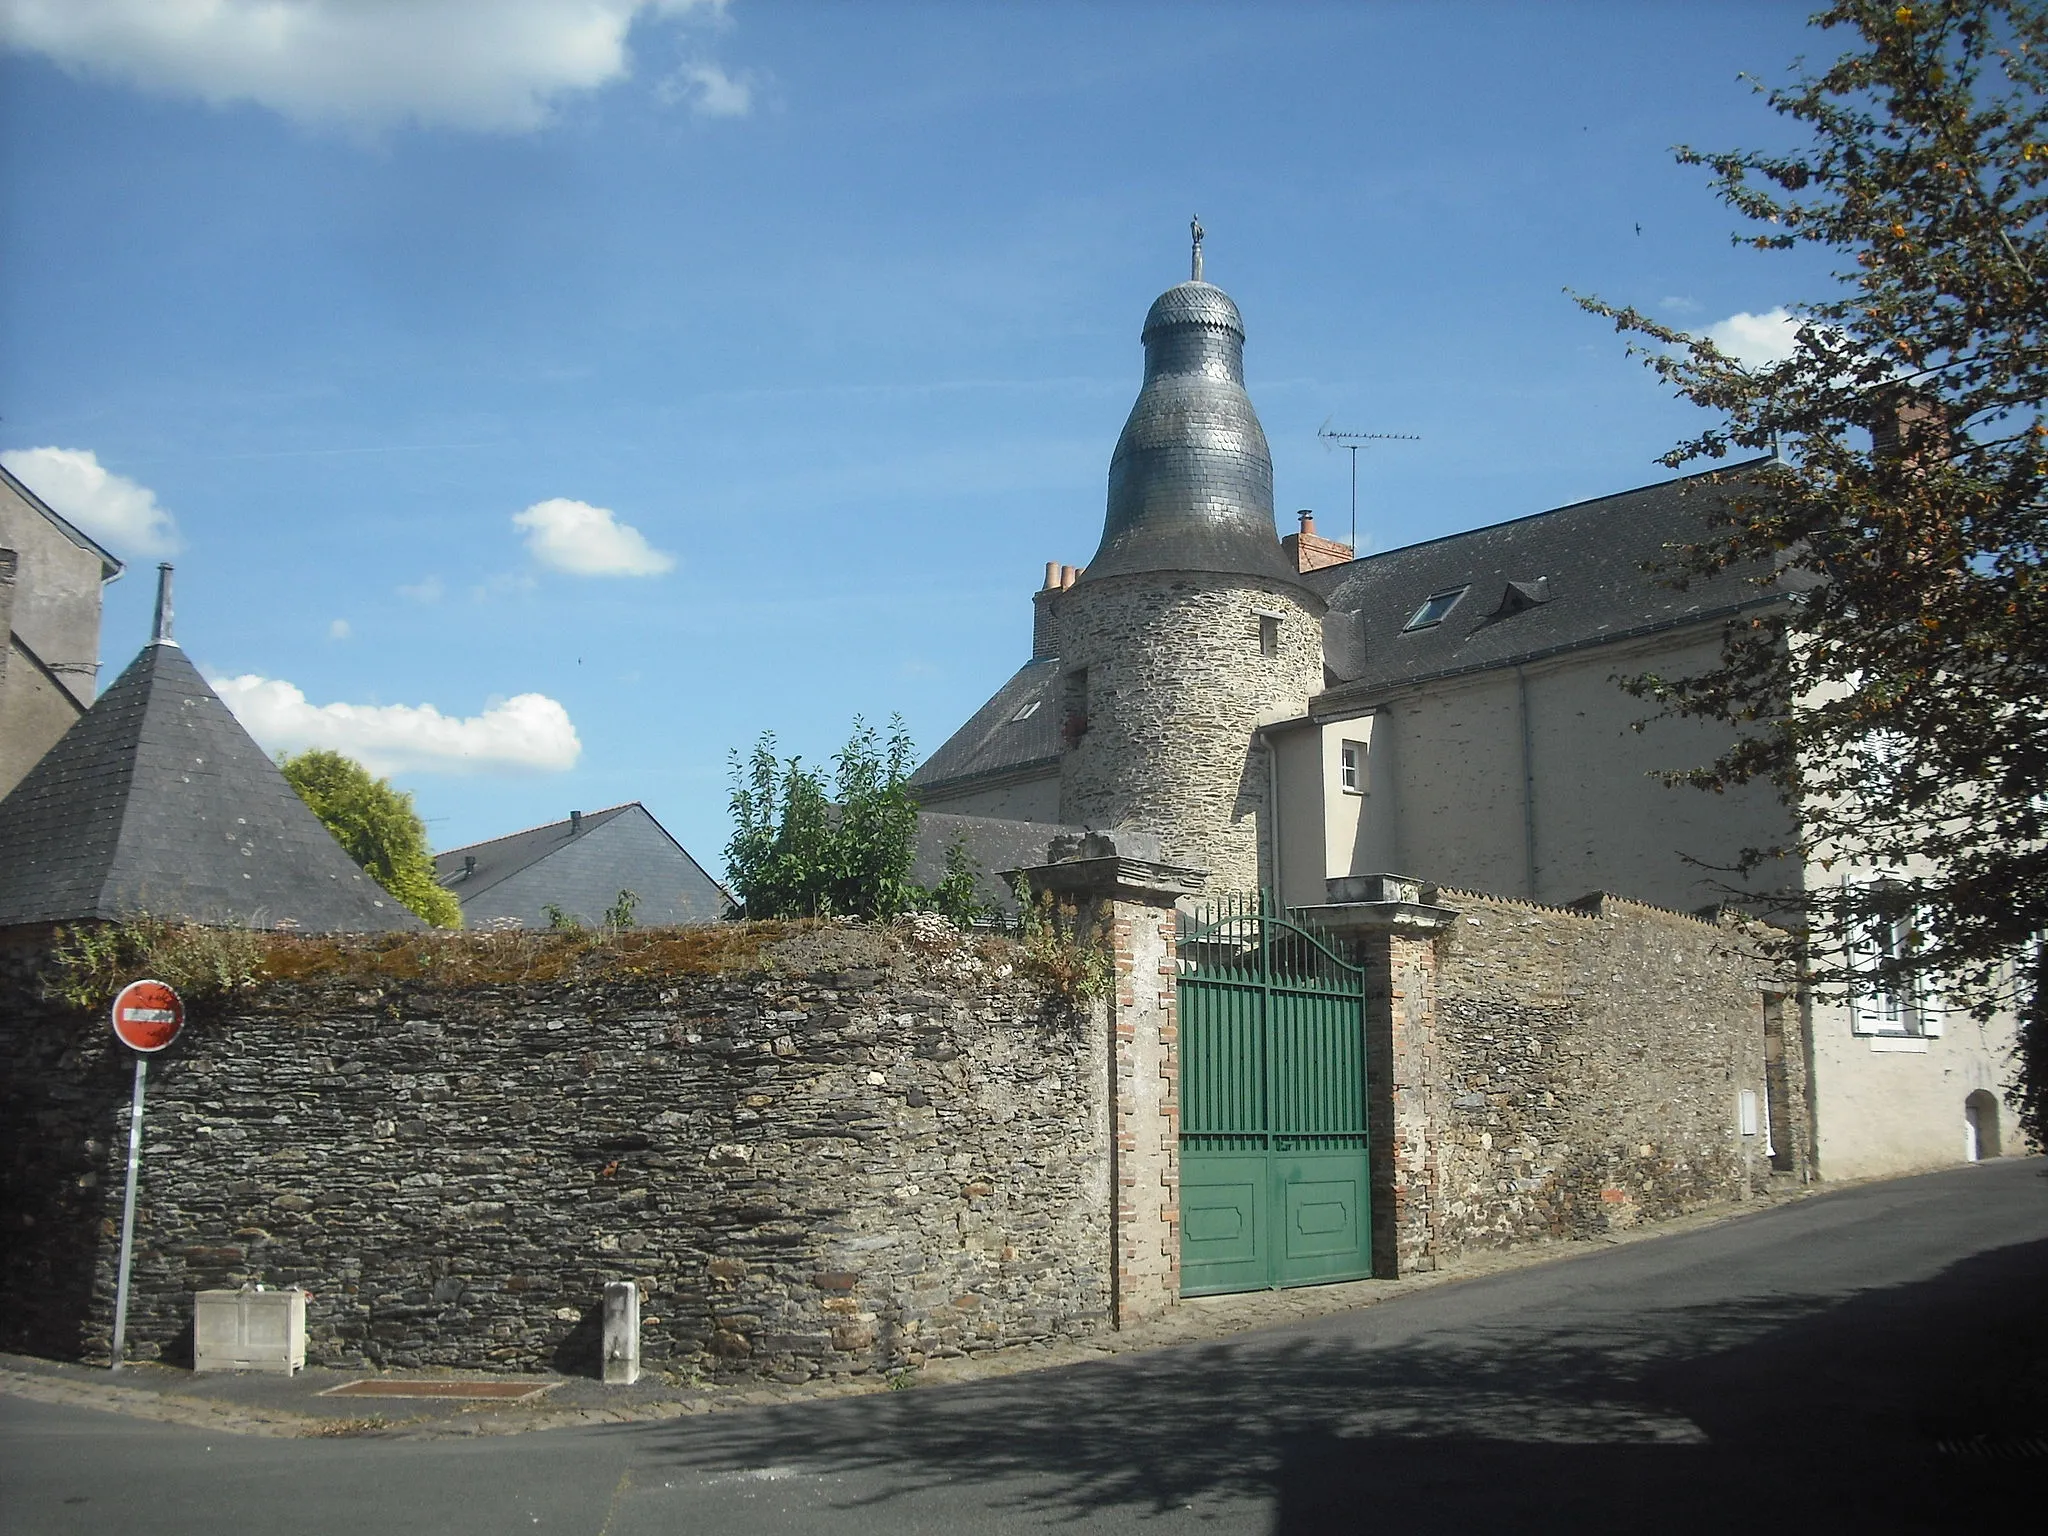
(468, 865)
(1045, 604)
(163, 606)
(1310, 551)
(1911, 430)
(575, 822)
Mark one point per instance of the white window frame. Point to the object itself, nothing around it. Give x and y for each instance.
(1881, 1011)
(1351, 766)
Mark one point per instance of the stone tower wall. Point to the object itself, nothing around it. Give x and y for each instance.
(1176, 685)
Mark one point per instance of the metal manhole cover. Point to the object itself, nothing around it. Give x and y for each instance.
(477, 1391)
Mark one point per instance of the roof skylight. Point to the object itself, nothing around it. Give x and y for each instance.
(1434, 609)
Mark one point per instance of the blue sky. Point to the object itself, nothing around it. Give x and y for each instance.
(540, 398)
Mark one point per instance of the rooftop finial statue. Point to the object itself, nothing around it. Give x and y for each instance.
(1195, 228)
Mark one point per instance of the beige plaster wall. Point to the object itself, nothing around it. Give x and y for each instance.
(1887, 1104)
(1532, 782)
(56, 598)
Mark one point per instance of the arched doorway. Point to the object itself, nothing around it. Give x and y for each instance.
(1980, 1126)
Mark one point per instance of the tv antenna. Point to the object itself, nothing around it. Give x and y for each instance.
(1354, 441)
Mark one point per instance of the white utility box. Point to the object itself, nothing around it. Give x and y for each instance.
(249, 1330)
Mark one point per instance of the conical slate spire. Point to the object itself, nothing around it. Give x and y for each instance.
(1191, 481)
(157, 802)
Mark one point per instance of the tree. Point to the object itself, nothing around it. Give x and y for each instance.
(377, 825)
(797, 851)
(1900, 702)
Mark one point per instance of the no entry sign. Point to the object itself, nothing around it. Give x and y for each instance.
(148, 1015)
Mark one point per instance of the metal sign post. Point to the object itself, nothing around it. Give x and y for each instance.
(147, 1017)
(128, 1215)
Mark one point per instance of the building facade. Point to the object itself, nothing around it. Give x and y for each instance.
(1284, 715)
(51, 574)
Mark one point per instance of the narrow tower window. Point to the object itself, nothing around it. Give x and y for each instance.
(1269, 634)
(1074, 706)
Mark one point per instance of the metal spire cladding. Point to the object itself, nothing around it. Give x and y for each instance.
(1191, 481)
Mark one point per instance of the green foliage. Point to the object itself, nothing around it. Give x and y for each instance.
(619, 915)
(957, 897)
(1901, 702)
(798, 851)
(560, 921)
(1057, 951)
(90, 962)
(378, 826)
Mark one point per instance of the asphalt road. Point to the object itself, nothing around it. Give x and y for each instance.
(1869, 1361)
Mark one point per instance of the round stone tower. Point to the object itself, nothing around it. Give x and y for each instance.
(1190, 628)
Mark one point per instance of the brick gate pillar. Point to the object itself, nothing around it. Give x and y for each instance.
(1121, 895)
(1391, 927)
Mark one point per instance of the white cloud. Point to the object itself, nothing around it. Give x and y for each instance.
(1757, 341)
(583, 540)
(529, 732)
(112, 508)
(430, 590)
(491, 65)
(339, 630)
(710, 91)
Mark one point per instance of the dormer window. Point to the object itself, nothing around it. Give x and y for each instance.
(1434, 609)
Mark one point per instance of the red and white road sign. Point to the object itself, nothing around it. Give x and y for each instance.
(148, 1015)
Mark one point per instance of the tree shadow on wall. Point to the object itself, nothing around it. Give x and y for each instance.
(60, 1206)
(1844, 1416)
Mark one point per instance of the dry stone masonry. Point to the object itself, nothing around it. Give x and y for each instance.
(828, 1173)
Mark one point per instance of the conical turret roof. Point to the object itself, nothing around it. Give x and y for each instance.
(1191, 481)
(157, 802)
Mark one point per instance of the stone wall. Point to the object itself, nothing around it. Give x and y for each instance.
(1176, 686)
(1584, 1071)
(809, 1169)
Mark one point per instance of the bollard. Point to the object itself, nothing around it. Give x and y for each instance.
(621, 1333)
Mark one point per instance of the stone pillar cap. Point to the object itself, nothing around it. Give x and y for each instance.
(1120, 863)
(1378, 903)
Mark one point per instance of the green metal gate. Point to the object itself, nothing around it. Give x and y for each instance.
(1273, 1180)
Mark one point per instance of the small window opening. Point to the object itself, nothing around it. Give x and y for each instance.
(1074, 706)
(1434, 608)
(1269, 634)
(1351, 767)
(1027, 711)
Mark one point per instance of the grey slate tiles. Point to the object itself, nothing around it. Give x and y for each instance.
(158, 803)
(580, 866)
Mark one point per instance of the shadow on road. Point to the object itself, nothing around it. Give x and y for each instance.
(1697, 1418)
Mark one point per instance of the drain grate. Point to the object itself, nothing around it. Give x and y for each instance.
(475, 1391)
(1996, 1447)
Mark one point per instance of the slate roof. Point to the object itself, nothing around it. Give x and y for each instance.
(1579, 577)
(995, 740)
(157, 802)
(110, 567)
(996, 844)
(580, 865)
